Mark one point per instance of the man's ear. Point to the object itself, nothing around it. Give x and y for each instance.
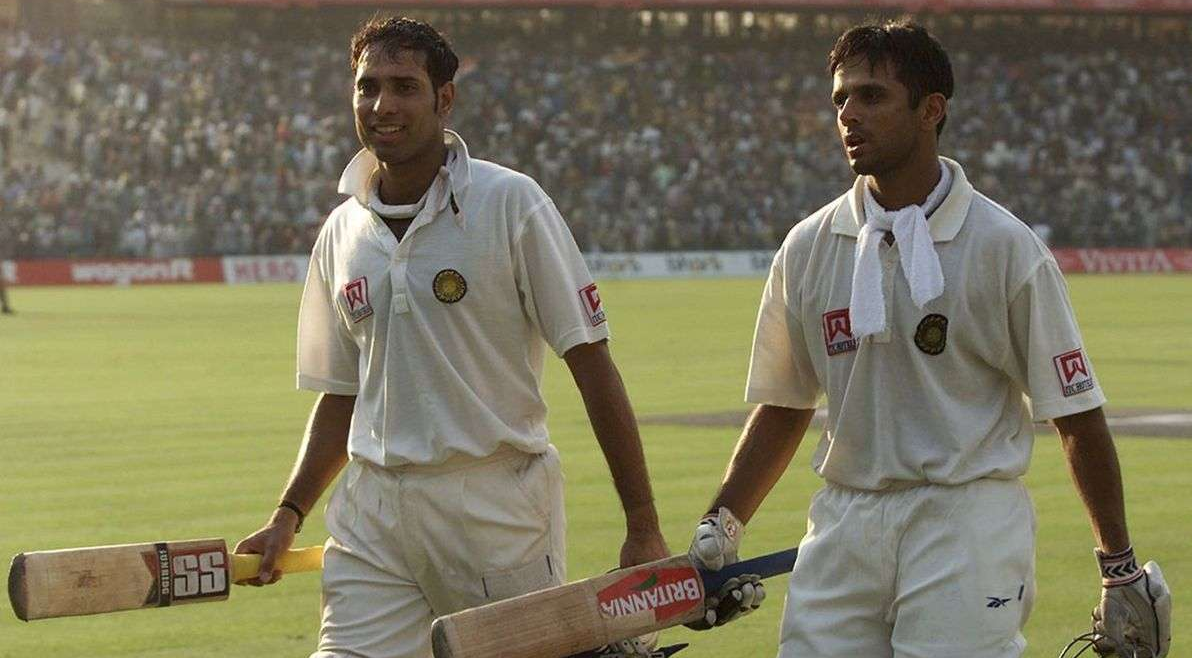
(934, 108)
(446, 99)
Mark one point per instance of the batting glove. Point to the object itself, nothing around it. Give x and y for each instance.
(611, 651)
(635, 647)
(738, 597)
(715, 546)
(717, 538)
(1133, 619)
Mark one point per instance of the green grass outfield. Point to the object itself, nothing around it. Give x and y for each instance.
(168, 412)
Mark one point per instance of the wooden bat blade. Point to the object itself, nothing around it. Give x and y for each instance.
(99, 579)
(18, 593)
(586, 614)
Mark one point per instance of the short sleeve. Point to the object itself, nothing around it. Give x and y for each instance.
(780, 369)
(557, 290)
(328, 358)
(1047, 356)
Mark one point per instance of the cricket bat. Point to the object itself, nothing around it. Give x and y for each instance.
(88, 581)
(580, 616)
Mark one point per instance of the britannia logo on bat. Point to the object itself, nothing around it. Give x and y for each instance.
(838, 332)
(1074, 373)
(665, 593)
(356, 295)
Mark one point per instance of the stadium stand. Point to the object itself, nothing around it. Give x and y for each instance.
(656, 136)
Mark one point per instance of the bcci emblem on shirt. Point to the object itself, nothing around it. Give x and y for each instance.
(931, 336)
(449, 286)
(838, 332)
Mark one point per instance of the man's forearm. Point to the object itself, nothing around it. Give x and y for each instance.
(768, 442)
(324, 450)
(1093, 462)
(613, 422)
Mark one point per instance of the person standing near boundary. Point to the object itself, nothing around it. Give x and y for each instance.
(7, 238)
(925, 312)
(432, 296)
(5, 307)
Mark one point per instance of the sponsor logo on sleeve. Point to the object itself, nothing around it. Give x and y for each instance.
(356, 296)
(1074, 373)
(838, 332)
(590, 299)
(660, 593)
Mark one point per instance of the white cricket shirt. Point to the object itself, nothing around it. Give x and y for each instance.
(938, 397)
(441, 336)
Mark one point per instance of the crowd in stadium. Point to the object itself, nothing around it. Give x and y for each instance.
(152, 147)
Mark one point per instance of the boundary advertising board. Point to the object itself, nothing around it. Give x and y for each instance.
(235, 270)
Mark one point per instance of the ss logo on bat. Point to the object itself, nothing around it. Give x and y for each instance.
(203, 574)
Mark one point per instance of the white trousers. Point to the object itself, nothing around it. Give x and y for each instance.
(925, 572)
(413, 543)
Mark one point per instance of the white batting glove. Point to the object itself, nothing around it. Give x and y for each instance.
(715, 546)
(1133, 619)
(635, 647)
(717, 538)
(738, 597)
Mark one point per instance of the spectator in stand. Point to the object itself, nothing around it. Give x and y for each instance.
(659, 144)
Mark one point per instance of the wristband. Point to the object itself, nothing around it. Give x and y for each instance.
(1118, 569)
(296, 510)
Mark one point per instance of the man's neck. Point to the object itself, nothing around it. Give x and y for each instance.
(407, 183)
(908, 185)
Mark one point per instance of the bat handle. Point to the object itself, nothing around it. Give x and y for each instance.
(246, 566)
(765, 566)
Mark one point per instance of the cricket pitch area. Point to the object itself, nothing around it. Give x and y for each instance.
(169, 412)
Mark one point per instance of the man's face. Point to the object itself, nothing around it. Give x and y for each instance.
(878, 128)
(399, 115)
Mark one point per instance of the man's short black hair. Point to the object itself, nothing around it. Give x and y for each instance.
(919, 61)
(396, 34)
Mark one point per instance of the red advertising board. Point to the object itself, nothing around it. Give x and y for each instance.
(1124, 261)
(265, 269)
(56, 272)
(292, 269)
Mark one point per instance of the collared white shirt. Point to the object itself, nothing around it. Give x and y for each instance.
(938, 397)
(442, 336)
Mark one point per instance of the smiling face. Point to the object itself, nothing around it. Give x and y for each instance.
(879, 129)
(400, 116)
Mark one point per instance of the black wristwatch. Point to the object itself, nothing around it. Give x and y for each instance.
(295, 509)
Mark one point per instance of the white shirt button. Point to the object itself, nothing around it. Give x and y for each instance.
(401, 303)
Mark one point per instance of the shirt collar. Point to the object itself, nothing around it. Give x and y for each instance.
(945, 222)
(456, 175)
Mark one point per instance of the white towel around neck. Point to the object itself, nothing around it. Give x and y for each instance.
(916, 251)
